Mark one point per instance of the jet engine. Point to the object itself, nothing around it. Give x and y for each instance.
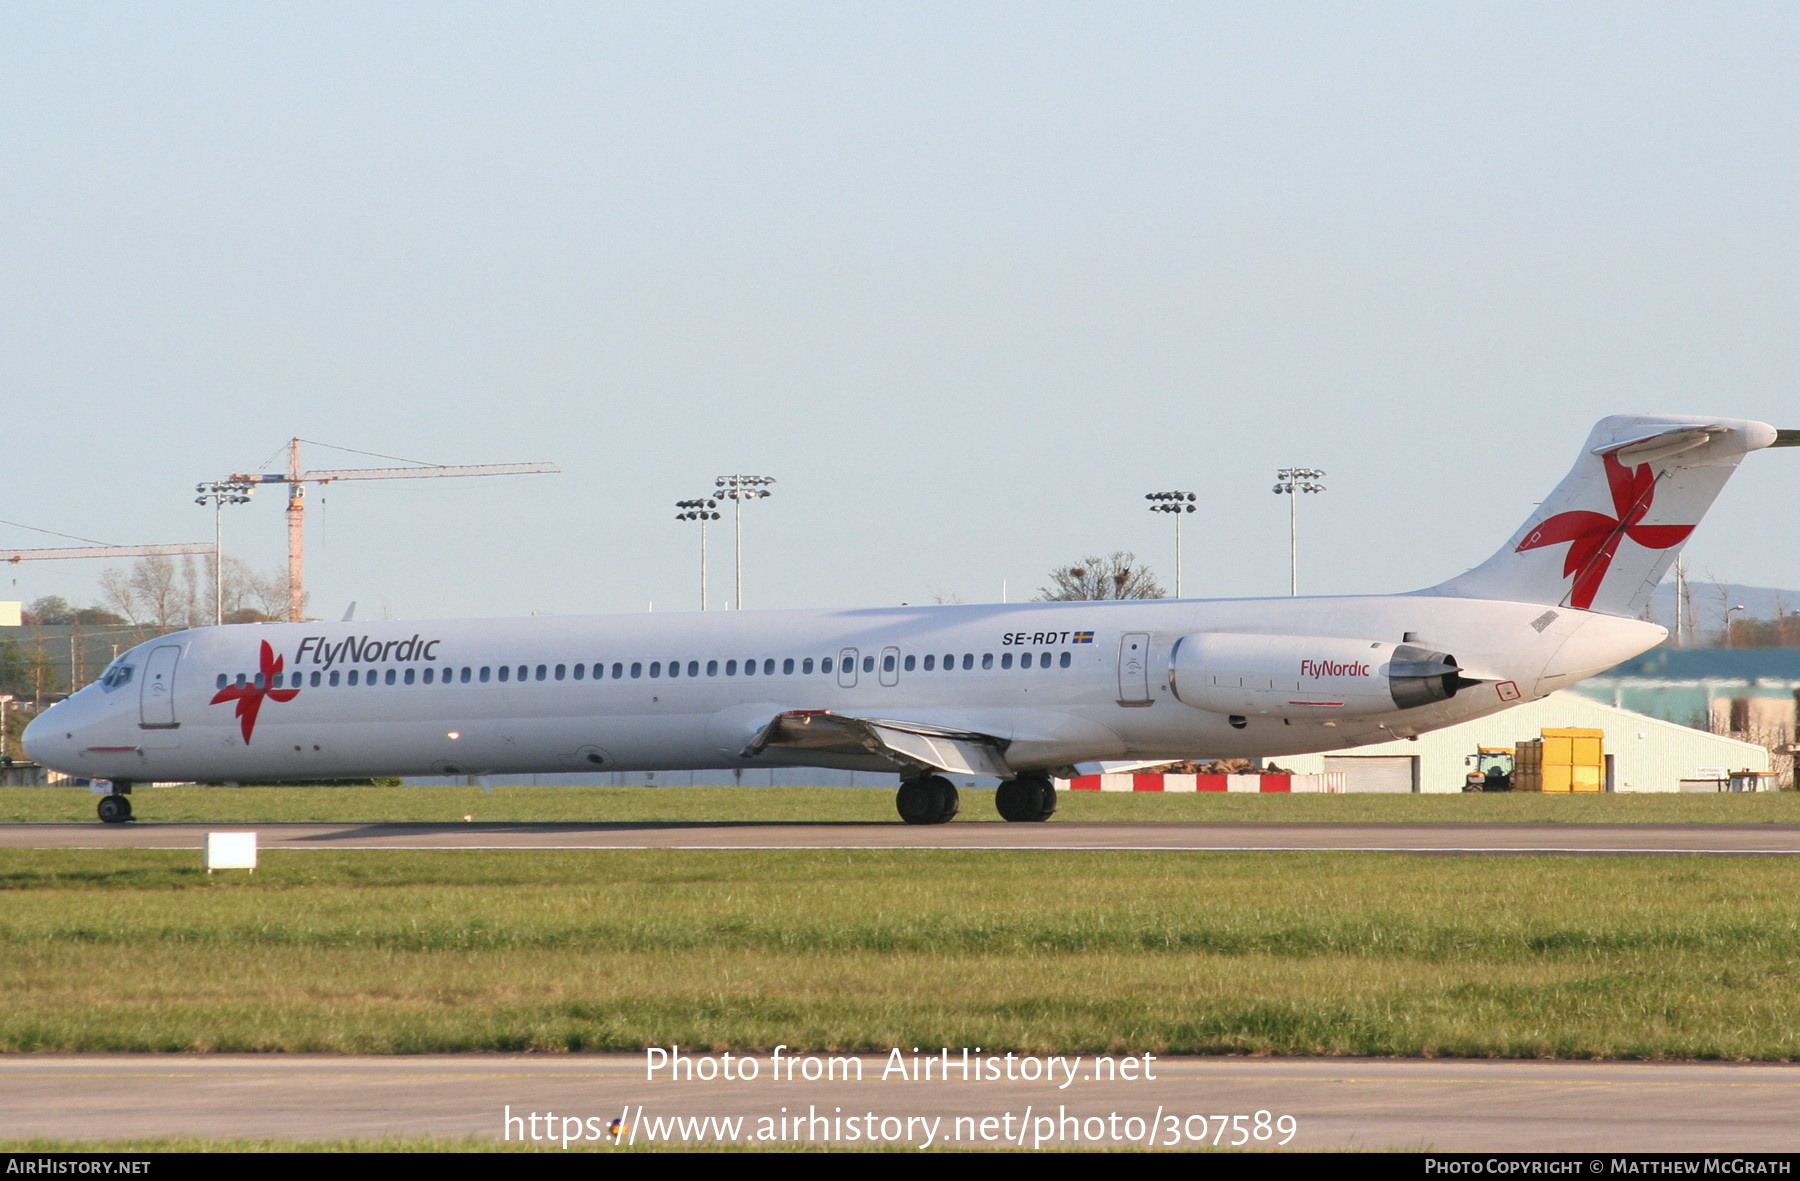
(1297, 676)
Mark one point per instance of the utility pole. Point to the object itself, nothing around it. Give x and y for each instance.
(296, 478)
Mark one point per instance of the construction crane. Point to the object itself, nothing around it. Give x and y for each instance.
(296, 478)
(104, 551)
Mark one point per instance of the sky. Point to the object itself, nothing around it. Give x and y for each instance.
(967, 280)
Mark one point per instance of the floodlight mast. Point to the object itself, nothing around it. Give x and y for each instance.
(296, 479)
(220, 493)
(702, 511)
(1292, 481)
(1179, 503)
(738, 489)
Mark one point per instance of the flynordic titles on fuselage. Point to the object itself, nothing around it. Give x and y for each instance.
(325, 653)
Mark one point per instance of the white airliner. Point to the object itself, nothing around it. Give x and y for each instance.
(1020, 691)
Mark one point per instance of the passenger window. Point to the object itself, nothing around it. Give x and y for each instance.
(731, 668)
(430, 675)
(930, 663)
(693, 668)
(1005, 660)
(542, 672)
(108, 679)
(825, 666)
(618, 670)
(968, 661)
(656, 668)
(1025, 660)
(1044, 660)
(260, 681)
(561, 671)
(409, 676)
(353, 676)
(523, 669)
(806, 665)
(987, 660)
(787, 667)
(637, 669)
(1065, 660)
(769, 667)
(240, 680)
(390, 676)
(887, 662)
(332, 680)
(749, 668)
(464, 678)
(485, 671)
(712, 668)
(506, 672)
(909, 663)
(868, 664)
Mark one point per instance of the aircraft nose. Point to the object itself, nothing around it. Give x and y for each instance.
(47, 741)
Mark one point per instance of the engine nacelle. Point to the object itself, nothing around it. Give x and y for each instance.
(1298, 676)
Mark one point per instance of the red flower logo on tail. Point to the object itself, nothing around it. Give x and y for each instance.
(249, 696)
(1593, 538)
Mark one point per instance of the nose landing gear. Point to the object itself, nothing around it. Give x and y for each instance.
(116, 808)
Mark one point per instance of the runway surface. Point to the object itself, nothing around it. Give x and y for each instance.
(1403, 838)
(1452, 1106)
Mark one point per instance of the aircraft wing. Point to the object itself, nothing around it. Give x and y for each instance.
(913, 744)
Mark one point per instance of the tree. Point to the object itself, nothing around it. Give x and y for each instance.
(159, 594)
(1118, 576)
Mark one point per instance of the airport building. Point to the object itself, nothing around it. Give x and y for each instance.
(1637, 752)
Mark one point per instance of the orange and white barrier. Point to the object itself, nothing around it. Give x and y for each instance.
(1332, 782)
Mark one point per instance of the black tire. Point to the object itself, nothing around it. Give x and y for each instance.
(1018, 800)
(949, 800)
(114, 809)
(931, 799)
(1032, 800)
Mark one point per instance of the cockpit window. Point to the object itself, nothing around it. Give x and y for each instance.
(118, 674)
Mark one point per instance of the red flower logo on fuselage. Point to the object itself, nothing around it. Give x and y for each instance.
(1593, 538)
(249, 696)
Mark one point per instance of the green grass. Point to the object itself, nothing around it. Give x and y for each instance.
(1363, 954)
(248, 805)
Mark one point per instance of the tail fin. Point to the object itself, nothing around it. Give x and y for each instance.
(1605, 537)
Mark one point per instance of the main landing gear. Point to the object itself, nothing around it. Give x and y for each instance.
(929, 799)
(116, 808)
(1030, 797)
(932, 799)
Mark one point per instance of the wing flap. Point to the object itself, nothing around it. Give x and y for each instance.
(908, 744)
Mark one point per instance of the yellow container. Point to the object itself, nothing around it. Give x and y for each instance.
(1574, 760)
(1528, 765)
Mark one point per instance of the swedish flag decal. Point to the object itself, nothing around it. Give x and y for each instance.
(1082, 638)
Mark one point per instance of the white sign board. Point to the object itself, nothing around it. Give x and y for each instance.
(230, 850)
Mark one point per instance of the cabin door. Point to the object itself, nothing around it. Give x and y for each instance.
(1134, 668)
